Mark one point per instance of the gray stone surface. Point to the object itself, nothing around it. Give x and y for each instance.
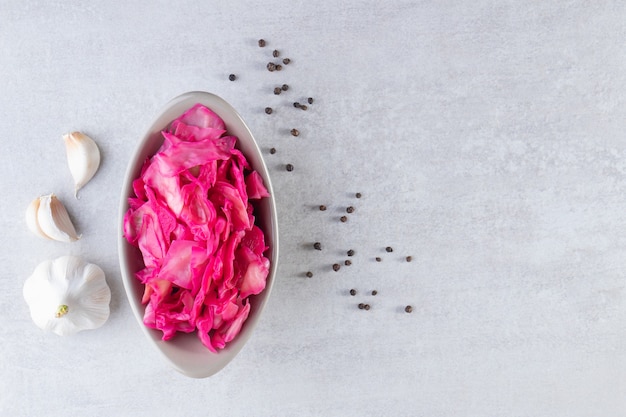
(487, 139)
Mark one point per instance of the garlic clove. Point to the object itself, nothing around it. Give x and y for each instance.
(83, 158)
(31, 218)
(54, 220)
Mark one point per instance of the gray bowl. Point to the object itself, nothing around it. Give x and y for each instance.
(185, 352)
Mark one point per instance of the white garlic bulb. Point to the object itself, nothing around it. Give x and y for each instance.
(83, 158)
(67, 295)
(47, 217)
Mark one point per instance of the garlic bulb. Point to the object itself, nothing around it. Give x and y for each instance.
(67, 295)
(83, 157)
(47, 217)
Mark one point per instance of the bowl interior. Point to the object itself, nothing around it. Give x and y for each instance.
(185, 352)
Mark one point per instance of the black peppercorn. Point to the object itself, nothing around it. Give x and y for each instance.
(366, 306)
(322, 208)
(289, 167)
(358, 195)
(286, 61)
(361, 306)
(336, 267)
(271, 66)
(409, 258)
(232, 77)
(353, 292)
(379, 259)
(268, 110)
(389, 249)
(275, 53)
(343, 219)
(348, 262)
(277, 90)
(317, 246)
(284, 87)
(279, 67)
(374, 292)
(310, 100)
(309, 274)
(350, 252)
(295, 132)
(272, 151)
(350, 209)
(261, 43)
(408, 309)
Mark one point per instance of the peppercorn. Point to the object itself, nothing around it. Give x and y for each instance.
(379, 259)
(361, 306)
(374, 292)
(277, 90)
(366, 306)
(350, 209)
(309, 274)
(317, 246)
(289, 167)
(348, 262)
(358, 195)
(268, 110)
(296, 104)
(322, 208)
(286, 61)
(275, 53)
(272, 151)
(271, 66)
(232, 77)
(284, 87)
(408, 309)
(336, 267)
(295, 132)
(310, 100)
(389, 249)
(350, 252)
(261, 43)
(279, 67)
(409, 258)
(343, 219)
(353, 292)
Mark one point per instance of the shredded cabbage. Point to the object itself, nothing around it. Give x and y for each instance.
(192, 220)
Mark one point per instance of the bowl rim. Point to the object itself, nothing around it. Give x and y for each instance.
(178, 105)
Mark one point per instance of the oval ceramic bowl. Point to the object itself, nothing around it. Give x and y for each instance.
(185, 352)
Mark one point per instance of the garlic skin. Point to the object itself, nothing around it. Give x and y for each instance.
(47, 217)
(83, 158)
(67, 295)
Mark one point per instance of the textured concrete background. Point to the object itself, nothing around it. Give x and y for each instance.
(487, 138)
